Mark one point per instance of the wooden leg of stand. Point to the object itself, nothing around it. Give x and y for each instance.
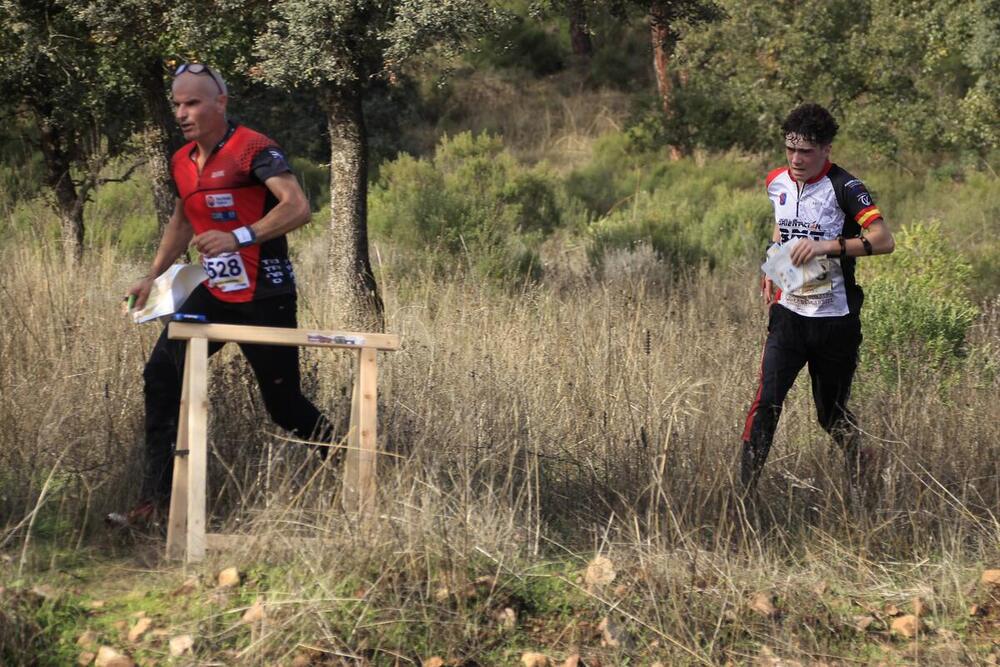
(352, 456)
(198, 447)
(177, 522)
(360, 463)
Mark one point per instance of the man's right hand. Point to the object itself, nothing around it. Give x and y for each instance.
(140, 291)
(767, 290)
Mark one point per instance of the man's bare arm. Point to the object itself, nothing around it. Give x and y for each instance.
(291, 212)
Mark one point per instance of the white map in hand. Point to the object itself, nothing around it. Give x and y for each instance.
(787, 276)
(170, 289)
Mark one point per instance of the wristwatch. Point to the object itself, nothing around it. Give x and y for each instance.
(244, 236)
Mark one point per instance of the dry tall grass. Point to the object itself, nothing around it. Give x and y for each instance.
(530, 429)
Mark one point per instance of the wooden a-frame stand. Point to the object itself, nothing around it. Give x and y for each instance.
(186, 534)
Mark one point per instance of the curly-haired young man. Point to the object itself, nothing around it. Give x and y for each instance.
(819, 325)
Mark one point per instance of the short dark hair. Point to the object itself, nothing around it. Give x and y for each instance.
(812, 122)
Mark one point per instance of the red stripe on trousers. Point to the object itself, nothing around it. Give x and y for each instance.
(756, 401)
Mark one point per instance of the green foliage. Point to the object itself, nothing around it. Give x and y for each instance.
(622, 58)
(968, 204)
(690, 220)
(22, 171)
(917, 76)
(122, 214)
(917, 312)
(644, 223)
(75, 84)
(315, 182)
(38, 629)
(524, 45)
(472, 198)
(340, 43)
(31, 221)
(625, 164)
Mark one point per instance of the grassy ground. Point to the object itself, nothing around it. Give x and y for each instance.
(283, 612)
(559, 463)
(532, 430)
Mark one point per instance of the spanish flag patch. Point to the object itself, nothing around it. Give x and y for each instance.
(867, 216)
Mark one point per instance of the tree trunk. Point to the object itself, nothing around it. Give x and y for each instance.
(663, 40)
(68, 203)
(663, 45)
(159, 138)
(579, 34)
(357, 304)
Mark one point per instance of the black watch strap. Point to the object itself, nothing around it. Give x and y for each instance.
(244, 236)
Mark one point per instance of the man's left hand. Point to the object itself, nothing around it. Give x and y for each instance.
(215, 242)
(806, 249)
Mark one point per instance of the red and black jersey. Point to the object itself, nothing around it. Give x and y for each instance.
(230, 193)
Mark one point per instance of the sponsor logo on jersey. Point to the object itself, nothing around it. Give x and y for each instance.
(219, 201)
(276, 154)
(223, 215)
(219, 174)
(782, 197)
(864, 199)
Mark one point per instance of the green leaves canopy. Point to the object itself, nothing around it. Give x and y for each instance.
(916, 75)
(330, 43)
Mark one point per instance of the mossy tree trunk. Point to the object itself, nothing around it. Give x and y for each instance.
(68, 202)
(357, 304)
(159, 138)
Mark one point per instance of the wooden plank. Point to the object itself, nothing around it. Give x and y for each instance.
(197, 447)
(352, 457)
(359, 477)
(239, 333)
(177, 521)
(369, 428)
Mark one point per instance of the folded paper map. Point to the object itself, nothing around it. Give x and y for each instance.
(170, 289)
(787, 276)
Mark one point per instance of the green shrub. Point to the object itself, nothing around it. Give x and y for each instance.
(623, 165)
(736, 226)
(31, 221)
(968, 204)
(315, 182)
(691, 216)
(122, 214)
(917, 311)
(21, 181)
(523, 45)
(471, 199)
(646, 223)
(621, 56)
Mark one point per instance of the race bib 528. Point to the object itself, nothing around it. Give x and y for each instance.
(226, 272)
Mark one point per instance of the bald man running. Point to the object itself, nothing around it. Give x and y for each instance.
(236, 200)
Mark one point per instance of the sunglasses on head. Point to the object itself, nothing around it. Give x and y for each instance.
(199, 68)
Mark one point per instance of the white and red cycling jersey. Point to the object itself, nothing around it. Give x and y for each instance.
(832, 204)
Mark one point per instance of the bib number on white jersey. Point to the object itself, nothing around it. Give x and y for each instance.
(226, 272)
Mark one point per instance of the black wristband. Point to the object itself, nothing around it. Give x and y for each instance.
(843, 246)
(867, 244)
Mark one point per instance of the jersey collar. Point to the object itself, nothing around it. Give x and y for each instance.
(230, 130)
(818, 177)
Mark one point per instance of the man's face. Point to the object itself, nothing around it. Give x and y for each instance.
(805, 159)
(199, 108)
